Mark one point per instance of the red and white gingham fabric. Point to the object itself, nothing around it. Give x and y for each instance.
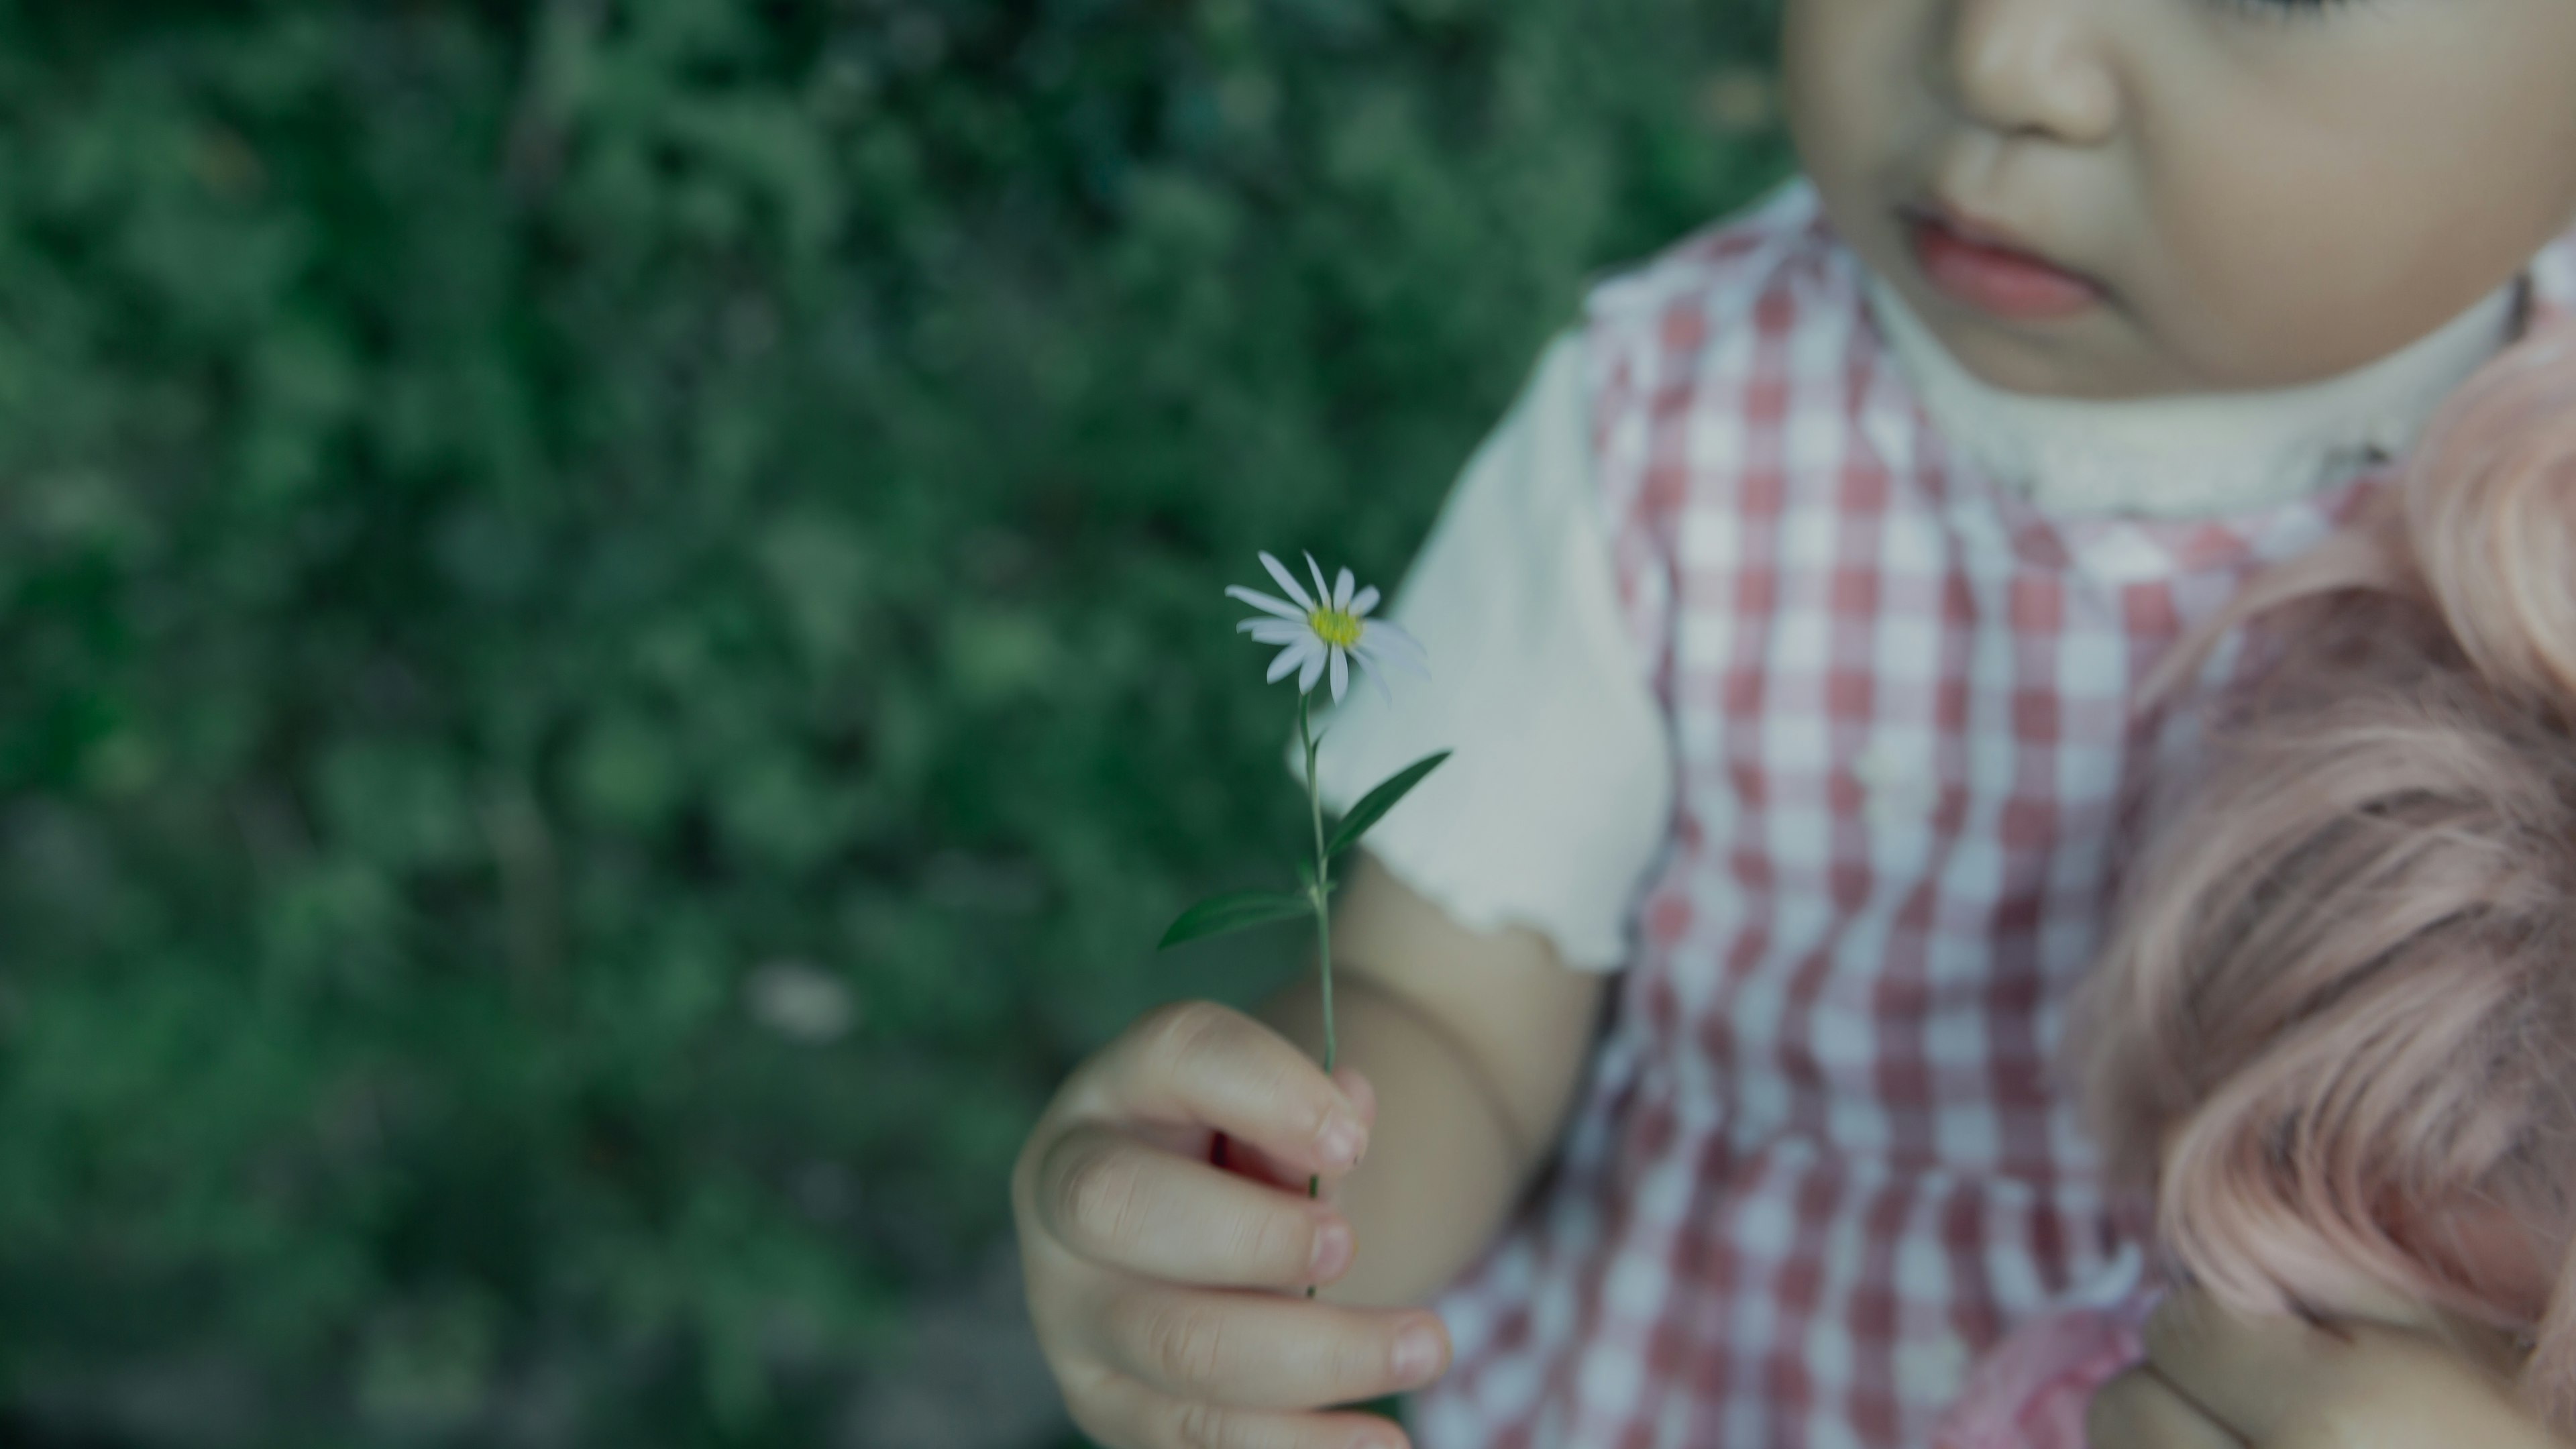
(1819, 1165)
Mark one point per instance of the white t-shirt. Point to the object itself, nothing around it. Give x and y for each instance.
(1554, 806)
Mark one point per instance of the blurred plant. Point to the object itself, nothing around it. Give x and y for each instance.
(597, 600)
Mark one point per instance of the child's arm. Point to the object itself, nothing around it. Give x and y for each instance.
(2216, 1381)
(1475, 1045)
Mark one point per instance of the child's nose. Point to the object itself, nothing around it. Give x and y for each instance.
(2031, 68)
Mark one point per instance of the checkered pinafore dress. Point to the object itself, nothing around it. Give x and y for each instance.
(1820, 1163)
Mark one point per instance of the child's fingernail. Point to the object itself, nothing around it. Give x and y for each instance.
(1332, 1250)
(1360, 1094)
(1417, 1355)
(1342, 1141)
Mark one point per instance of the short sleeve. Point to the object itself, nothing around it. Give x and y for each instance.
(1556, 800)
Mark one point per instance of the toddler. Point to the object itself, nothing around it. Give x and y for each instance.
(1790, 633)
(2330, 1036)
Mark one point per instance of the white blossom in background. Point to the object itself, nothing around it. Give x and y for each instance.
(801, 1002)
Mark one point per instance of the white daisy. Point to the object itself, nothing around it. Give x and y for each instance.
(1322, 634)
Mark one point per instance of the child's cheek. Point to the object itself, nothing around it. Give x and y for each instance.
(1851, 78)
(2317, 197)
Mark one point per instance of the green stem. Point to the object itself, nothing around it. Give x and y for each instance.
(1318, 890)
(1321, 890)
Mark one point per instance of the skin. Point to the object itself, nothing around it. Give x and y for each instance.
(1168, 1292)
(2388, 1373)
(2269, 194)
(1147, 1265)
(2400, 1379)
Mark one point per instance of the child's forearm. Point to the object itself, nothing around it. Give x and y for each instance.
(1444, 1163)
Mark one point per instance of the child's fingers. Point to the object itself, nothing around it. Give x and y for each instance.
(1202, 1064)
(1126, 1204)
(1361, 1091)
(1245, 1160)
(1250, 1161)
(1134, 1416)
(2137, 1410)
(1259, 1351)
(2286, 1384)
(2247, 1373)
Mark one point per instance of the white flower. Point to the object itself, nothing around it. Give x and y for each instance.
(1323, 634)
(801, 1002)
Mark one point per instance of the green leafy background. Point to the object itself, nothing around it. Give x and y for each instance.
(610, 642)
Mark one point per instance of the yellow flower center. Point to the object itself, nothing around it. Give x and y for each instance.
(1336, 627)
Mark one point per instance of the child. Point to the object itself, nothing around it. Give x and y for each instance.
(1788, 634)
(2331, 1034)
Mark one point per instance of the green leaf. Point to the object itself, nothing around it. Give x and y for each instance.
(1374, 805)
(1226, 914)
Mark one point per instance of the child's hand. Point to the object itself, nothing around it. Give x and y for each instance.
(1168, 1294)
(2216, 1381)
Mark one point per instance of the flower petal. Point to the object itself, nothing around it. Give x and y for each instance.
(1300, 653)
(1314, 669)
(1264, 602)
(1342, 587)
(1317, 570)
(1374, 671)
(1341, 673)
(1366, 601)
(1289, 582)
(1380, 637)
(1275, 631)
(1376, 653)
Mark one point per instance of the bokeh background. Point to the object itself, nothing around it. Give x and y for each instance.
(611, 657)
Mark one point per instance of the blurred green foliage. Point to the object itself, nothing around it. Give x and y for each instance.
(610, 655)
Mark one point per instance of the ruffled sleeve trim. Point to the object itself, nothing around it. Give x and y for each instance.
(1556, 802)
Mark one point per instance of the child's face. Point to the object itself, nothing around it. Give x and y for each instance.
(2233, 193)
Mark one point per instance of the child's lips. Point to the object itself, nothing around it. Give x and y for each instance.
(1987, 268)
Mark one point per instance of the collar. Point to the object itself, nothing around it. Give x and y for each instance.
(2198, 455)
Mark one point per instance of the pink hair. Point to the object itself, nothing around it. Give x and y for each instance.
(2338, 1004)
